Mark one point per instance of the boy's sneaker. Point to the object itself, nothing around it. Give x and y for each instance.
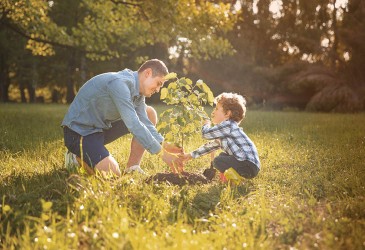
(209, 173)
(71, 163)
(134, 168)
(233, 176)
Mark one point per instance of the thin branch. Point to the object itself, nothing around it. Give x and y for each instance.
(126, 3)
(53, 43)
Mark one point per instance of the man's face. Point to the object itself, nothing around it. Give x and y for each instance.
(148, 84)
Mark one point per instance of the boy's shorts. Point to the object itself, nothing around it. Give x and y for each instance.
(225, 161)
(93, 145)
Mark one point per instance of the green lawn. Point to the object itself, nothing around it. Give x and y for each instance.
(310, 193)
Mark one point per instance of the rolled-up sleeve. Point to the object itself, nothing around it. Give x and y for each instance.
(121, 96)
(142, 114)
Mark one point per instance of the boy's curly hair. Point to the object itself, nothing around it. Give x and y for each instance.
(232, 102)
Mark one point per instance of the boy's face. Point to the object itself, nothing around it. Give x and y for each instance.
(218, 114)
(149, 84)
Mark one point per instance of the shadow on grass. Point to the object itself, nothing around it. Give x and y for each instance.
(24, 194)
(205, 202)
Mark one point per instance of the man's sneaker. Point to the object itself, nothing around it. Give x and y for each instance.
(133, 169)
(71, 163)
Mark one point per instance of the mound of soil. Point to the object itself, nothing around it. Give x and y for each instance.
(185, 178)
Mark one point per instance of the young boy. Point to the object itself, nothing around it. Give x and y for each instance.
(240, 152)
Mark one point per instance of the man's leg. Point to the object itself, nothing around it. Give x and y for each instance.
(92, 151)
(107, 165)
(137, 150)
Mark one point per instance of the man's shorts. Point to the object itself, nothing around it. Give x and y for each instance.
(93, 145)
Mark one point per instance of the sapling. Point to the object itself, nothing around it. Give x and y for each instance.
(187, 99)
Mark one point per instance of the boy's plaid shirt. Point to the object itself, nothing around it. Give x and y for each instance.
(228, 136)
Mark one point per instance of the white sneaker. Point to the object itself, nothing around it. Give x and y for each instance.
(134, 168)
(71, 162)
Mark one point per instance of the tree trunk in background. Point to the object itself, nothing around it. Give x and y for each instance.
(334, 53)
(70, 94)
(22, 92)
(4, 85)
(83, 69)
(31, 92)
(4, 80)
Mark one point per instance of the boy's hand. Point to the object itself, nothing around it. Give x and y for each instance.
(207, 122)
(185, 157)
(169, 147)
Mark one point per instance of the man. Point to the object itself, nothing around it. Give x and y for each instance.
(111, 105)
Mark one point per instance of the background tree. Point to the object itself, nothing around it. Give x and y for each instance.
(113, 30)
(299, 53)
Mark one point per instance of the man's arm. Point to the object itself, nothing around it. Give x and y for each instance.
(142, 114)
(121, 96)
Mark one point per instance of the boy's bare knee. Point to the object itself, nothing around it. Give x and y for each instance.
(152, 115)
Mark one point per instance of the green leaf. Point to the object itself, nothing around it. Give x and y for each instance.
(170, 76)
(210, 98)
(173, 85)
(205, 88)
(164, 93)
(46, 205)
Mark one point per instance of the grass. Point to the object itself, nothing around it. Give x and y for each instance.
(310, 193)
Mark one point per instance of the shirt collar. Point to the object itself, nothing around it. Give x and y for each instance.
(135, 74)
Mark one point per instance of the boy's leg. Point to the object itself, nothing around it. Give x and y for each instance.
(244, 168)
(137, 150)
(223, 162)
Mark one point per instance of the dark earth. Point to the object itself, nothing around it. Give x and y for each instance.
(184, 178)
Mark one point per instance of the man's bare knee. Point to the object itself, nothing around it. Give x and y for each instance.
(152, 115)
(108, 164)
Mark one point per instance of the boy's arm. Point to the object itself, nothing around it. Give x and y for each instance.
(218, 131)
(206, 148)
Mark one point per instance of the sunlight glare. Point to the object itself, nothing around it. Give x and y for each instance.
(275, 8)
(341, 3)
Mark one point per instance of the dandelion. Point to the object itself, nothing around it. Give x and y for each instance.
(115, 235)
(71, 235)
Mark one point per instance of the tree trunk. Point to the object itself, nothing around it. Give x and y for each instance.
(70, 94)
(31, 92)
(4, 80)
(22, 92)
(334, 55)
(4, 85)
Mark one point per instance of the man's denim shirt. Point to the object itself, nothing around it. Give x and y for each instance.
(110, 97)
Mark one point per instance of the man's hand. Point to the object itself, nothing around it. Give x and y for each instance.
(173, 161)
(171, 148)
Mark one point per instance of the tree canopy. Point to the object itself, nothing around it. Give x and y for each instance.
(276, 52)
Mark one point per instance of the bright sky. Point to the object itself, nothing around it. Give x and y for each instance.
(276, 6)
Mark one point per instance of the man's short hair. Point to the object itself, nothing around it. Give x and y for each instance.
(158, 67)
(232, 102)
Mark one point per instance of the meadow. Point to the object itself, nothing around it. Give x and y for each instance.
(310, 193)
